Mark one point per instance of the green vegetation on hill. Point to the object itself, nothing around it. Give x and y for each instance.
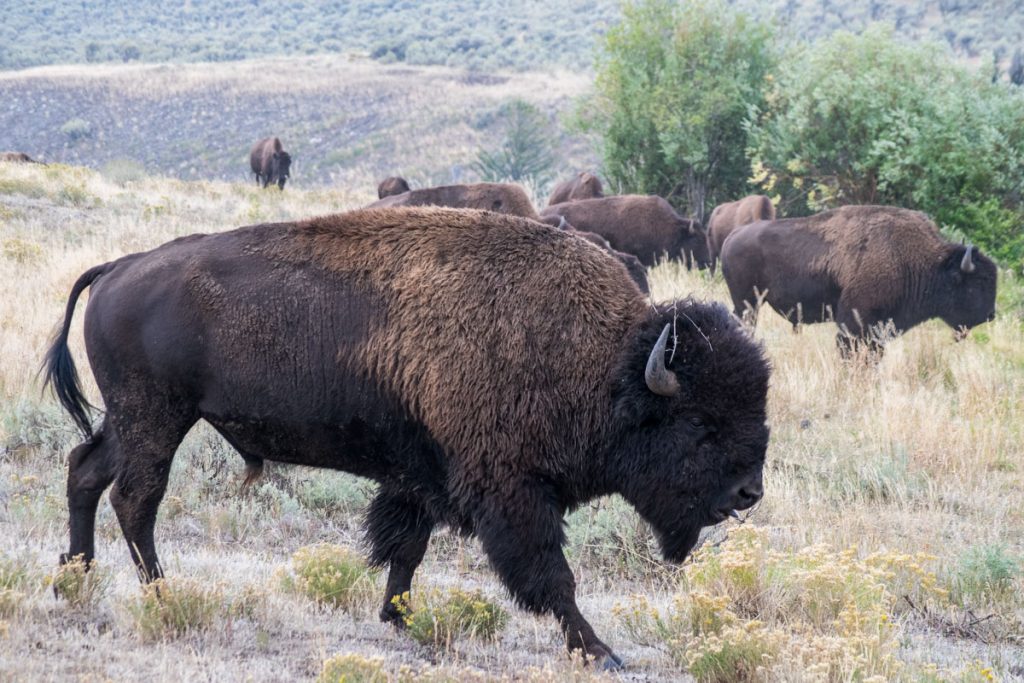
(478, 34)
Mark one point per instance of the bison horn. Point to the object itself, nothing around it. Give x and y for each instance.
(562, 223)
(660, 379)
(967, 265)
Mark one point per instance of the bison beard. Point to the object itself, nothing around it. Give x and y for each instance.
(489, 372)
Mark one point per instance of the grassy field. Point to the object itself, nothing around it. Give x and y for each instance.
(889, 544)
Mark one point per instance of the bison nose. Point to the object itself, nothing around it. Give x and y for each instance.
(748, 494)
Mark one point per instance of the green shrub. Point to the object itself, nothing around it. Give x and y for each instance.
(81, 584)
(447, 617)
(15, 579)
(73, 195)
(76, 129)
(986, 573)
(330, 575)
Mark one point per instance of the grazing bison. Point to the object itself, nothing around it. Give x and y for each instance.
(497, 197)
(583, 186)
(860, 266)
(391, 186)
(17, 158)
(727, 217)
(270, 162)
(637, 271)
(643, 225)
(490, 374)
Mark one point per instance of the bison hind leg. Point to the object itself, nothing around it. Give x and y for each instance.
(398, 528)
(92, 466)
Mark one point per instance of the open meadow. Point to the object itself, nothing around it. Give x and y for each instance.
(888, 545)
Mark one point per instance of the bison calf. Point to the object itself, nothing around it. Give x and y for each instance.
(489, 373)
(270, 163)
(861, 266)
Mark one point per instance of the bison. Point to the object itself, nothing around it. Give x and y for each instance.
(727, 217)
(498, 197)
(643, 225)
(18, 158)
(637, 271)
(391, 186)
(488, 372)
(583, 186)
(270, 163)
(861, 266)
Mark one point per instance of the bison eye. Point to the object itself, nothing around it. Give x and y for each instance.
(697, 423)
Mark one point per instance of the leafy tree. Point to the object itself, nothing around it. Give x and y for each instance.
(525, 155)
(857, 119)
(674, 87)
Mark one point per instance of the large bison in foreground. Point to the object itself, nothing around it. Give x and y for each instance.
(583, 185)
(498, 197)
(643, 225)
(490, 374)
(270, 163)
(727, 217)
(861, 266)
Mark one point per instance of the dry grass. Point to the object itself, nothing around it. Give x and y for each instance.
(921, 454)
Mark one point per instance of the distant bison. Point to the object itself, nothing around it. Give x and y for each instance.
(637, 271)
(270, 162)
(391, 186)
(860, 266)
(497, 197)
(727, 217)
(489, 373)
(583, 186)
(643, 225)
(17, 158)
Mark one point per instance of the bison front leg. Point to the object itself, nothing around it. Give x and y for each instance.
(398, 529)
(521, 532)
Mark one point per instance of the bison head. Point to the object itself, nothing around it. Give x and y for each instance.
(966, 295)
(280, 166)
(693, 244)
(690, 420)
(392, 186)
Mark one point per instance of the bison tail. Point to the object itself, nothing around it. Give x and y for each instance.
(253, 471)
(58, 365)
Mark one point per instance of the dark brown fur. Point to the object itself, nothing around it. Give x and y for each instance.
(636, 270)
(583, 186)
(270, 163)
(727, 217)
(392, 186)
(859, 266)
(486, 370)
(17, 158)
(498, 197)
(643, 225)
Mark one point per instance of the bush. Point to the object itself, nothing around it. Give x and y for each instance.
(675, 83)
(123, 171)
(451, 616)
(872, 119)
(15, 579)
(169, 609)
(353, 669)
(986, 573)
(330, 575)
(525, 154)
(76, 129)
(81, 584)
(21, 251)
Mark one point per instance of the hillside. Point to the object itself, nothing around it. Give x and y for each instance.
(485, 36)
(889, 544)
(344, 120)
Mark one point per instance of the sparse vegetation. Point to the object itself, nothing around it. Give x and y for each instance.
(450, 616)
(82, 584)
(171, 608)
(331, 575)
(353, 669)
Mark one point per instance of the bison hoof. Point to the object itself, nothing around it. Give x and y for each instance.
(610, 662)
(390, 615)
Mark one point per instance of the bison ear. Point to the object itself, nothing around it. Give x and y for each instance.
(659, 378)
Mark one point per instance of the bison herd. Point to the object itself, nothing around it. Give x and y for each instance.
(490, 366)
